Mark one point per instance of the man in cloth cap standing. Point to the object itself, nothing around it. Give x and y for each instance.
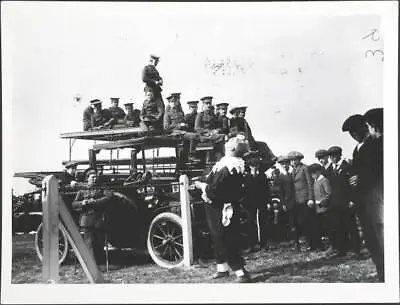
(368, 186)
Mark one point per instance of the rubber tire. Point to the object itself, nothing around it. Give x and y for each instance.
(162, 217)
(64, 238)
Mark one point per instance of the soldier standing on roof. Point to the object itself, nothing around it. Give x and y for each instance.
(152, 79)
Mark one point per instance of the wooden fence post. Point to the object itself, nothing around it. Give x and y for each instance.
(186, 221)
(50, 229)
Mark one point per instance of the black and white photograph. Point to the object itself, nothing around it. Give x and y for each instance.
(199, 152)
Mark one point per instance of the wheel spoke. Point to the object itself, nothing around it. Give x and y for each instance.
(159, 237)
(179, 244)
(161, 229)
(177, 252)
(160, 245)
(176, 237)
(165, 250)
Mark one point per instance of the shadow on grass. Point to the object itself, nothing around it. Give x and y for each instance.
(297, 267)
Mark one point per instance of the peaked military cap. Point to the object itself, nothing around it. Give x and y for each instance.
(375, 117)
(283, 159)
(154, 57)
(315, 167)
(353, 122)
(70, 164)
(335, 150)
(173, 95)
(293, 155)
(192, 103)
(236, 109)
(222, 105)
(206, 99)
(128, 104)
(321, 153)
(95, 101)
(114, 99)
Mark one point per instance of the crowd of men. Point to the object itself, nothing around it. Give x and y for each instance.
(321, 200)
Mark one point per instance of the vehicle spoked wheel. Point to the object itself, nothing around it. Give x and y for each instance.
(165, 241)
(62, 243)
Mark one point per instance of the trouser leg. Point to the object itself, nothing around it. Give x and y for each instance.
(353, 234)
(213, 218)
(230, 238)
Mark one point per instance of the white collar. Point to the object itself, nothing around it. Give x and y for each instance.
(231, 163)
(320, 177)
(327, 164)
(339, 163)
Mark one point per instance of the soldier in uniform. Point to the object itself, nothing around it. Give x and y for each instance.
(132, 117)
(206, 122)
(222, 119)
(174, 122)
(368, 187)
(238, 124)
(91, 204)
(221, 193)
(152, 113)
(101, 118)
(87, 115)
(152, 79)
(190, 118)
(116, 112)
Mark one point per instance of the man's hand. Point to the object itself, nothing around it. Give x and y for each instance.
(73, 183)
(310, 203)
(351, 204)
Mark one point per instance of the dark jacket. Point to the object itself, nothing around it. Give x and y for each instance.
(172, 119)
(190, 119)
(87, 118)
(205, 121)
(256, 191)
(117, 113)
(338, 179)
(132, 118)
(223, 124)
(322, 194)
(149, 76)
(286, 190)
(303, 184)
(240, 125)
(100, 118)
(154, 109)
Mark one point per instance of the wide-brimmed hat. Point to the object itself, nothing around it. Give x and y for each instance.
(353, 123)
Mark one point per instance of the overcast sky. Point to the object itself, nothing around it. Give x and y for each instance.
(300, 75)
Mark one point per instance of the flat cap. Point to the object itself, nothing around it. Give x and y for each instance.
(154, 57)
(315, 167)
(206, 99)
(321, 153)
(192, 103)
(283, 159)
(70, 164)
(375, 117)
(353, 122)
(222, 105)
(335, 150)
(95, 101)
(293, 155)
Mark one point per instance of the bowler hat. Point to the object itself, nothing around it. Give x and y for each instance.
(335, 150)
(315, 167)
(321, 153)
(353, 122)
(375, 117)
(295, 155)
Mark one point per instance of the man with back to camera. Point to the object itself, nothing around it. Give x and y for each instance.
(367, 187)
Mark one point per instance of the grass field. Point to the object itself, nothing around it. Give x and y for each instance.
(279, 265)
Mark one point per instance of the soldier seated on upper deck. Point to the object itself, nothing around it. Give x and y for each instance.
(116, 112)
(101, 118)
(206, 123)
